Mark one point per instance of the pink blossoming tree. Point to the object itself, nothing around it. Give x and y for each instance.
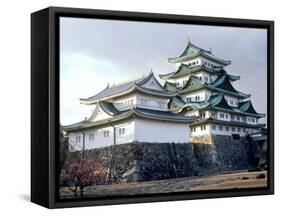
(85, 173)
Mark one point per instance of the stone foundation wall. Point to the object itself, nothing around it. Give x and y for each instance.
(155, 161)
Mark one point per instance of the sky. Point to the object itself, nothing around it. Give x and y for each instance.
(95, 52)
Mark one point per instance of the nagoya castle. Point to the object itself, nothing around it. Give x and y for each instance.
(204, 90)
(196, 102)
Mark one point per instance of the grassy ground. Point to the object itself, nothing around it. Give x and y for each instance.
(242, 179)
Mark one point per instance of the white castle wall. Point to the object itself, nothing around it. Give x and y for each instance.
(100, 140)
(161, 131)
(125, 102)
(232, 101)
(203, 95)
(141, 130)
(220, 130)
(142, 101)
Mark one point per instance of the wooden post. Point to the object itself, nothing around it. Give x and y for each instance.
(108, 175)
(83, 148)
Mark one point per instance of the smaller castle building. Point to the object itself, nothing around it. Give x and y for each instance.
(134, 111)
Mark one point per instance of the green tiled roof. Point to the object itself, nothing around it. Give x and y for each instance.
(247, 107)
(221, 84)
(216, 102)
(170, 87)
(187, 70)
(192, 51)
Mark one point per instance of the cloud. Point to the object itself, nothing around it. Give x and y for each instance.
(95, 52)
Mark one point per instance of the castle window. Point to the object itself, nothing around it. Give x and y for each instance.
(238, 118)
(91, 136)
(239, 129)
(232, 117)
(226, 116)
(227, 128)
(203, 115)
(121, 131)
(214, 127)
(221, 115)
(213, 114)
(197, 98)
(231, 102)
(206, 79)
(106, 133)
(236, 136)
(78, 139)
(203, 127)
(244, 118)
(233, 129)
(220, 128)
(144, 102)
(244, 130)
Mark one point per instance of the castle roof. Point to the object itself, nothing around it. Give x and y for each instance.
(192, 51)
(128, 87)
(184, 70)
(109, 108)
(221, 84)
(133, 112)
(216, 102)
(247, 107)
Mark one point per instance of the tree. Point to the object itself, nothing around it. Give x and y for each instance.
(85, 173)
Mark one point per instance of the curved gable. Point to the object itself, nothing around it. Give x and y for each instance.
(99, 114)
(152, 83)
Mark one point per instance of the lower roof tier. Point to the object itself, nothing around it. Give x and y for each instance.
(216, 102)
(221, 84)
(134, 112)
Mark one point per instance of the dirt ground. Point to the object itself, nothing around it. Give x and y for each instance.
(241, 179)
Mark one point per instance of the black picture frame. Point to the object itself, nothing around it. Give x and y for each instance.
(45, 104)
